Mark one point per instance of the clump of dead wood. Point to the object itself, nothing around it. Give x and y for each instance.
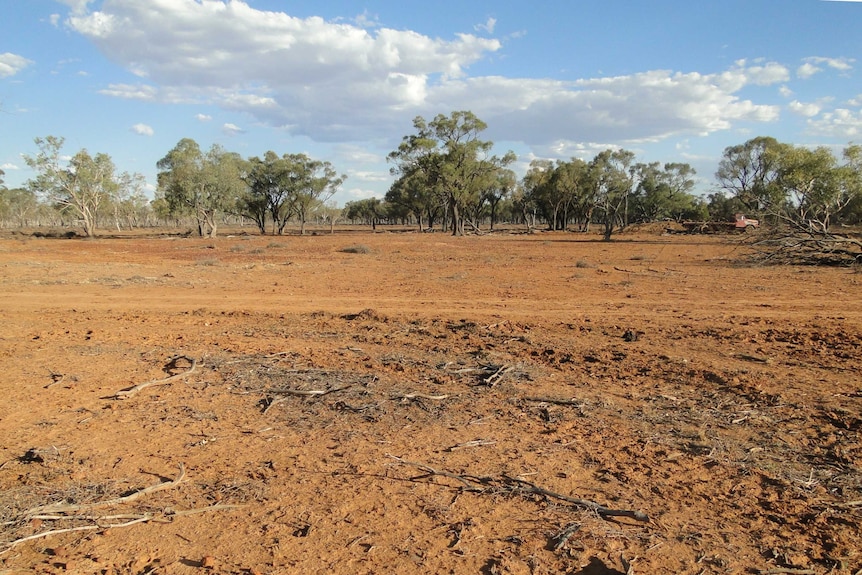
(796, 245)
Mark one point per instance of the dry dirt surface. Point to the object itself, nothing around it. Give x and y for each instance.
(416, 403)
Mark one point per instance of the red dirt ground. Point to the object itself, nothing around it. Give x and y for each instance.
(458, 379)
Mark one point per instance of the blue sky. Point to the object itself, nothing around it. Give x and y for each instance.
(671, 80)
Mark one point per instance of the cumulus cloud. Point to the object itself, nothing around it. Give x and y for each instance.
(203, 117)
(814, 64)
(337, 81)
(130, 91)
(810, 110)
(143, 130)
(231, 129)
(9, 166)
(841, 123)
(11, 64)
(487, 27)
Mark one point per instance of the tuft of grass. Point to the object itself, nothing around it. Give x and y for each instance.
(207, 262)
(256, 251)
(356, 249)
(237, 249)
(275, 245)
(583, 264)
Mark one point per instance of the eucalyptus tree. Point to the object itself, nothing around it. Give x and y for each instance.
(411, 193)
(203, 184)
(536, 189)
(130, 207)
(501, 187)
(749, 172)
(452, 160)
(312, 183)
(663, 191)
(571, 188)
(368, 211)
(18, 206)
(801, 186)
(81, 186)
(611, 178)
(817, 186)
(267, 193)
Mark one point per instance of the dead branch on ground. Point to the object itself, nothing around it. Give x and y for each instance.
(103, 523)
(570, 402)
(82, 512)
(512, 484)
(77, 508)
(798, 245)
(417, 396)
(172, 364)
(287, 392)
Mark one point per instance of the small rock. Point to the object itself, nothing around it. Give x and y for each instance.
(208, 562)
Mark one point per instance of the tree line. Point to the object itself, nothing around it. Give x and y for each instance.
(446, 176)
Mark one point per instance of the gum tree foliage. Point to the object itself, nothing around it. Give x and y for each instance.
(561, 191)
(449, 159)
(18, 206)
(501, 186)
(410, 193)
(749, 172)
(612, 180)
(664, 192)
(368, 211)
(802, 192)
(312, 184)
(802, 187)
(81, 186)
(268, 191)
(202, 184)
(281, 187)
(817, 186)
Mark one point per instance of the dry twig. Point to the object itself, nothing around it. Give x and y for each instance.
(524, 487)
(415, 396)
(80, 512)
(102, 522)
(555, 401)
(287, 392)
(171, 364)
(77, 508)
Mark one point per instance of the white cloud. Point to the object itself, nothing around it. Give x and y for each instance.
(77, 6)
(368, 176)
(11, 64)
(203, 117)
(54, 19)
(231, 129)
(857, 101)
(130, 91)
(366, 20)
(9, 166)
(814, 64)
(804, 109)
(487, 27)
(359, 194)
(143, 130)
(840, 123)
(807, 70)
(336, 81)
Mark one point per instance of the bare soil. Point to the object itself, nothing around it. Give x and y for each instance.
(467, 390)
